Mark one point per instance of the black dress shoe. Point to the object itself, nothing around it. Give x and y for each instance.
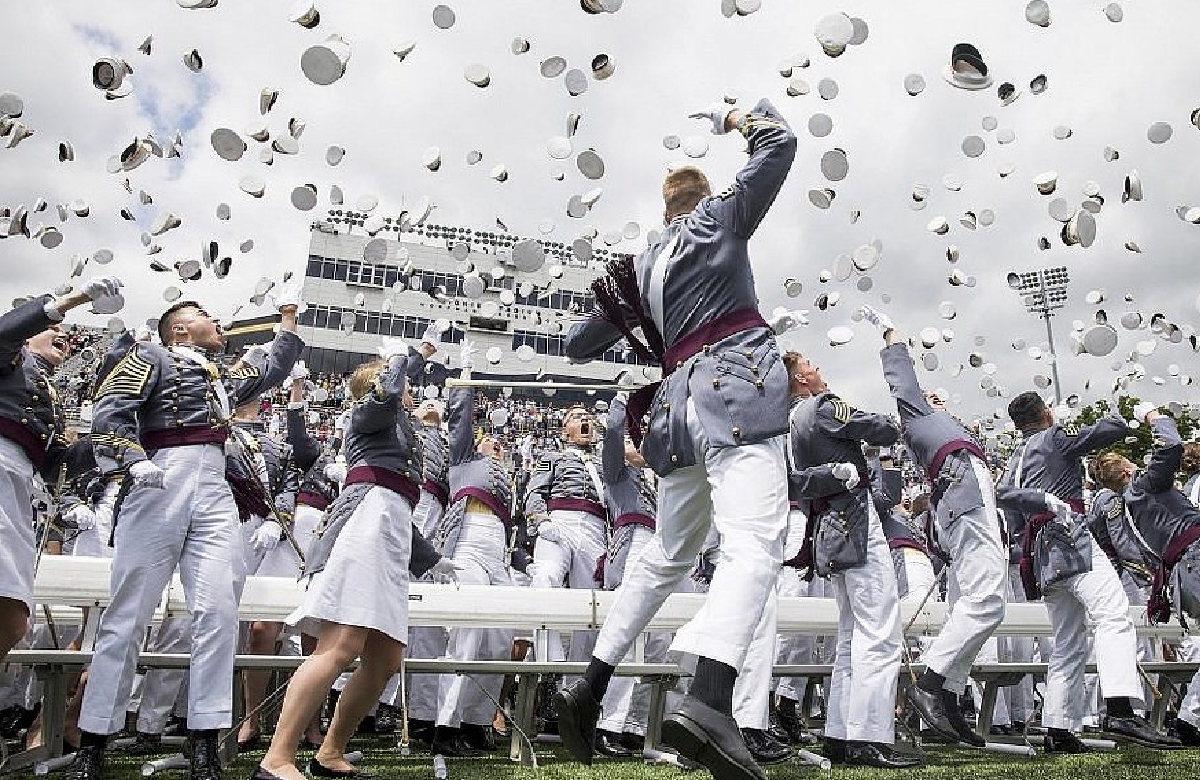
(385, 718)
(1136, 730)
(1063, 742)
(700, 733)
(87, 764)
(317, 769)
(577, 711)
(878, 755)
(260, 773)
(931, 707)
(245, 745)
(1187, 734)
(962, 727)
(1002, 731)
(609, 744)
(205, 758)
(145, 745)
(764, 747)
(482, 738)
(449, 742)
(794, 728)
(834, 749)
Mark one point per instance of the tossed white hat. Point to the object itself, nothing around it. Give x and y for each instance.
(834, 33)
(304, 197)
(1038, 12)
(325, 63)
(966, 69)
(478, 74)
(590, 164)
(1080, 229)
(914, 84)
(227, 144)
(1159, 133)
(443, 17)
(305, 14)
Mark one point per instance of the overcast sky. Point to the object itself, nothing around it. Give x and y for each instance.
(1108, 82)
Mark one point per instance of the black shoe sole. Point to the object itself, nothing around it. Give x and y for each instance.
(692, 741)
(570, 730)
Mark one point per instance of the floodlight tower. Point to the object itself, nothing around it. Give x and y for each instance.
(1044, 291)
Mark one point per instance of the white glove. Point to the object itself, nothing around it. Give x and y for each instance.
(299, 371)
(622, 396)
(846, 472)
(716, 114)
(784, 321)
(287, 295)
(876, 318)
(800, 316)
(549, 530)
(266, 537)
(433, 334)
(1142, 409)
(145, 473)
(466, 354)
(1057, 505)
(142, 334)
(81, 517)
(445, 571)
(392, 347)
(101, 287)
(336, 471)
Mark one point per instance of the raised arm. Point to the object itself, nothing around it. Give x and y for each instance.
(902, 379)
(250, 382)
(1104, 432)
(1159, 474)
(460, 407)
(612, 451)
(842, 421)
(590, 338)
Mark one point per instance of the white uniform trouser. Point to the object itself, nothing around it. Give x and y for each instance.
(192, 522)
(1189, 708)
(423, 641)
(19, 540)
(862, 687)
(743, 491)
(160, 687)
(1022, 699)
(573, 559)
(481, 552)
(978, 568)
(626, 704)
(752, 690)
(428, 513)
(1094, 597)
(793, 648)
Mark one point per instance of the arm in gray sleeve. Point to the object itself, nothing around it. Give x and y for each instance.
(460, 405)
(251, 383)
(285, 498)
(305, 449)
(902, 379)
(1159, 474)
(115, 433)
(772, 151)
(890, 485)
(537, 492)
(612, 452)
(423, 555)
(23, 322)
(376, 410)
(590, 338)
(841, 421)
(1105, 431)
(815, 481)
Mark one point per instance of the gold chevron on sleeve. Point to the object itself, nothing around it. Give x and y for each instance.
(128, 377)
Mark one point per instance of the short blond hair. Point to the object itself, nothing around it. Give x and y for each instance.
(683, 189)
(1108, 470)
(364, 378)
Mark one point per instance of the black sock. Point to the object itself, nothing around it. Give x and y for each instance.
(1061, 733)
(931, 681)
(713, 684)
(1119, 707)
(88, 739)
(787, 707)
(597, 675)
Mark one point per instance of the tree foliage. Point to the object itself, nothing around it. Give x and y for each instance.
(1140, 441)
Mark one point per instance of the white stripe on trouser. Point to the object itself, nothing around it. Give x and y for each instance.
(1097, 598)
(574, 560)
(978, 568)
(626, 703)
(793, 648)
(18, 540)
(480, 550)
(743, 491)
(752, 690)
(192, 522)
(160, 687)
(862, 688)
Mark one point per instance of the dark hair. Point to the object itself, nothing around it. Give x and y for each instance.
(1026, 410)
(167, 320)
(1190, 463)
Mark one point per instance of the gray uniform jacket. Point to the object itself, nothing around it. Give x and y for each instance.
(253, 443)
(627, 490)
(435, 468)
(315, 489)
(29, 413)
(737, 382)
(1050, 462)
(154, 390)
(472, 474)
(380, 436)
(560, 480)
(826, 430)
(1110, 527)
(938, 442)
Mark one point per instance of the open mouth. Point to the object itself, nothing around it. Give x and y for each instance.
(61, 344)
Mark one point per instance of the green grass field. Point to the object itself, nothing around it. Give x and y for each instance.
(944, 763)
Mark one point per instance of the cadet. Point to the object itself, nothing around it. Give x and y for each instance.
(715, 437)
